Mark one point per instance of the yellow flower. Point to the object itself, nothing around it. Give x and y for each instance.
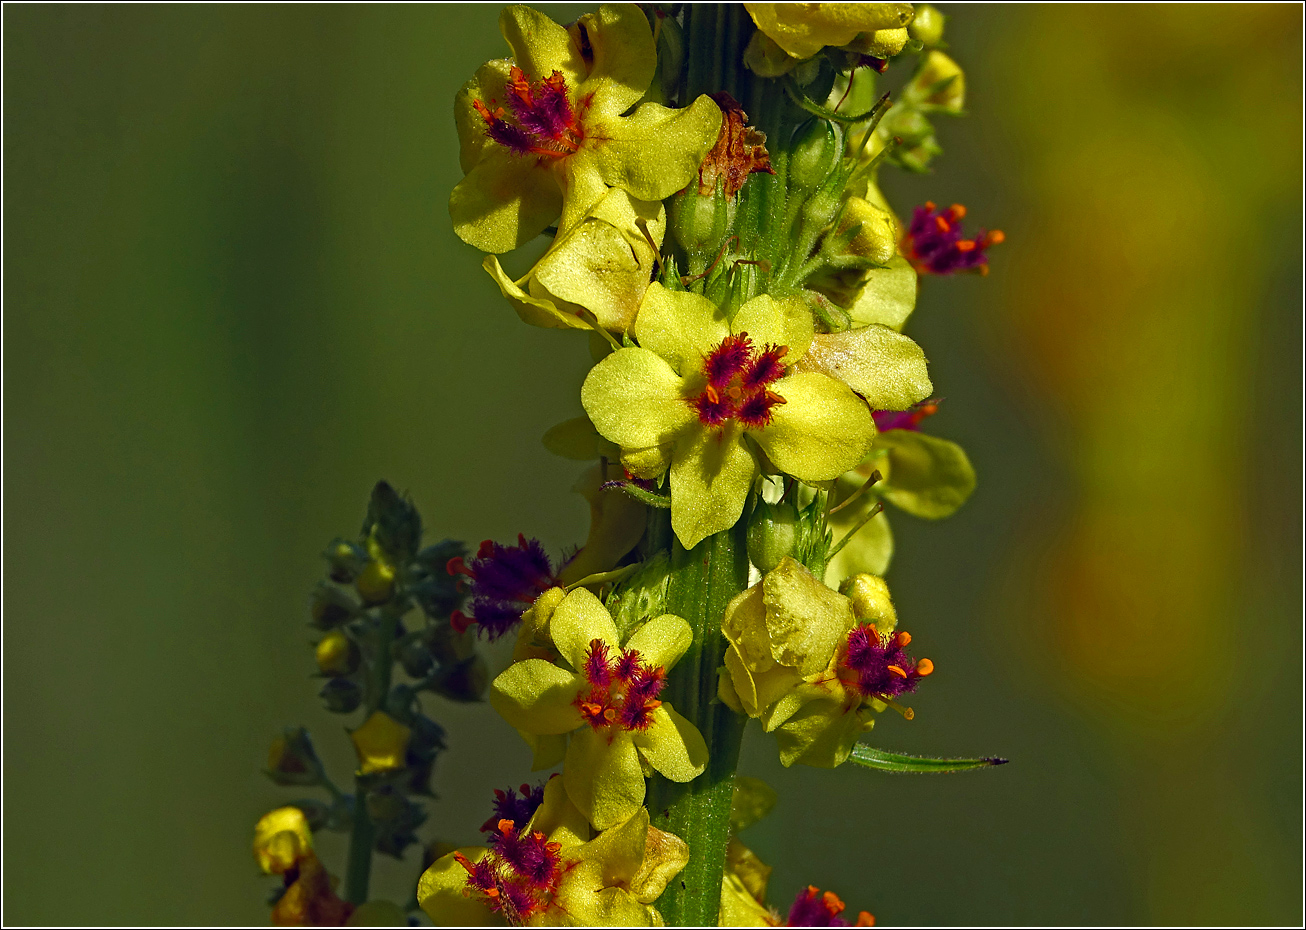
(550, 872)
(781, 631)
(608, 701)
(704, 397)
(381, 743)
(617, 523)
(601, 265)
(544, 136)
(281, 838)
(803, 29)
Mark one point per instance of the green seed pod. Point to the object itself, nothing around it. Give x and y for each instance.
(699, 221)
(816, 151)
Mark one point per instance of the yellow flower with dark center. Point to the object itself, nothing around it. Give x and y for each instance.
(544, 136)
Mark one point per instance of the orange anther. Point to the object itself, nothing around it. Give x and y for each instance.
(965, 245)
(712, 394)
(610, 714)
(924, 667)
(833, 905)
(957, 211)
(942, 224)
(506, 827)
(897, 671)
(865, 919)
(995, 237)
(904, 638)
(929, 205)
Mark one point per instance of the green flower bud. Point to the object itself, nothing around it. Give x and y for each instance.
(871, 603)
(772, 534)
(292, 759)
(376, 582)
(331, 607)
(927, 26)
(877, 239)
(341, 696)
(699, 221)
(416, 659)
(385, 804)
(464, 681)
(336, 654)
(939, 83)
(816, 152)
(346, 560)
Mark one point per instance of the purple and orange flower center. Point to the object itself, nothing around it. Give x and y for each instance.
(935, 244)
(739, 377)
(519, 874)
(813, 909)
(909, 419)
(542, 120)
(623, 689)
(502, 582)
(880, 665)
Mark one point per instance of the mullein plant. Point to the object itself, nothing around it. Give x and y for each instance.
(707, 176)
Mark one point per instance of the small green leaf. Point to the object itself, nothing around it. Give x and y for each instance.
(896, 762)
(393, 522)
(651, 498)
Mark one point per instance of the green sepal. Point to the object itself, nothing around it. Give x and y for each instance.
(651, 498)
(895, 762)
(811, 106)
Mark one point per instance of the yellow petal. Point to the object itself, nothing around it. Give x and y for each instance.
(580, 619)
(624, 58)
(486, 85)
(546, 751)
(712, 472)
(281, 839)
(538, 697)
(924, 475)
(537, 311)
(779, 322)
(504, 201)
(803, 29)
(665, 856)
(617, 524)
(578, 439)
(440, 892)
(741, 680)
(655, 151)
(558, 818)
(887, 296)
(805, 620)
(821, 431)
(603, 779)
(381, 743)
(885, 367)
(540, 46)
(672, 745)
(869, 551)
(636, 400)
(821, 734)
(662, 640)
(680, 326)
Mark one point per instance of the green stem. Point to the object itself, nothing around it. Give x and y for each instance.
(358, 874)
(703, 580)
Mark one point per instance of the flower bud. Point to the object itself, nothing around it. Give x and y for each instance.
(376, 582)
(816, 153)
(927, 25)
(346, 560)
(282, 838)
(939, 83)
(331, 607)
(699, 221)
(464, 681)
(336, 654)
(292, 759)
(427, 739)
(341, 696)
(385, 804)
(772, 534)
(767, 59)
(878, 237)
(871, 603)
(882, 43)
(415, 659)
(381, 743)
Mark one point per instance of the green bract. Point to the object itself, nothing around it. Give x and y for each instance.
(511, 193)
(605, 761)
(643, 399)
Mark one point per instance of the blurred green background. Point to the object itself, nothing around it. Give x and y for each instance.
(233, 301)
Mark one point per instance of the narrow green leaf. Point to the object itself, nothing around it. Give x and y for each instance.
(874, 758)
(652, 498)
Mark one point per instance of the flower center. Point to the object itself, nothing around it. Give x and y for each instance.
(623, 690)
(738, 380)
(504, 581)
(542, 122)
(518, 875)
(934, 243)
(880, 665)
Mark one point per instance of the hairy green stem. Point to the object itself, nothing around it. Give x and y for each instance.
(358, 873)
(703, 580)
